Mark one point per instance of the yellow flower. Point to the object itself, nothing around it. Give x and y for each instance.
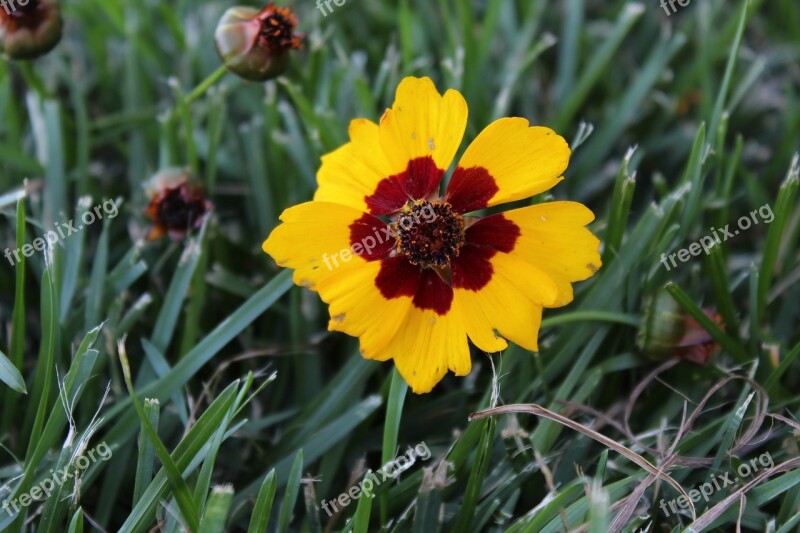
(409, 271)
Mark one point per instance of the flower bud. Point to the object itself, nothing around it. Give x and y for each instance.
(176, 205)
(669, 331)
(255, 44)
(29, 28)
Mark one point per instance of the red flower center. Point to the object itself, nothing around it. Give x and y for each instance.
(429, 234)
(181, 209)
(277, 28)
(30, 16)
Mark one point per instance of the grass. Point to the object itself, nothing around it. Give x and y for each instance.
(212, 378)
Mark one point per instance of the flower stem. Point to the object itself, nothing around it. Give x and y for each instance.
(181, 108)
(601, 316)
(206, 84)
(391, 428)
(32, 79)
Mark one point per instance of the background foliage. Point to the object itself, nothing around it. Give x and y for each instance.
(262, 410)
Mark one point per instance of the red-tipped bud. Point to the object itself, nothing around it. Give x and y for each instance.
(255, 44)
(176, 205)
(30, 29)
(669, 331)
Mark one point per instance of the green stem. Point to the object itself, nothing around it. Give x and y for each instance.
(600, 316)
(33, 80)
(394, 410)
(201, 89)
(206, 84)
(182, 107)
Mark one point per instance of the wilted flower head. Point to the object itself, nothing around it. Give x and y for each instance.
(29, 30)
(176, 205)
(255, 44)
(669, 331)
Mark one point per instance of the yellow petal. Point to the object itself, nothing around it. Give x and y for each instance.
(353, 171)
(511, 304)
(314, 240)
(508, 161)
(554, 239)
(422, 123)
(427, 345)
(359, 309)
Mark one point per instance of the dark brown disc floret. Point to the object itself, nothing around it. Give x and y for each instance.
(429, 234)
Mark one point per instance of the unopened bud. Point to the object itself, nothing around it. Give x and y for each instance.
(30, 29)
(255, 44)
(669, 331)
(177, 206)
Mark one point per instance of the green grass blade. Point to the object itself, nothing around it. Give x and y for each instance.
(427, 512)
(76, 524)
(620, 208)
(205, 350)
(292, 492)
(17, 345)
(179, 487)
(145, 462)
(476, 477)
(219, 505)
(173, 301)
(733, 56)
(263, 507)
(785, 206)
(391, 427)
(731, 346)
(782, 368)
(363, 510)
(190, 451)
(598, 64)
(94, 300)
(10, 375)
